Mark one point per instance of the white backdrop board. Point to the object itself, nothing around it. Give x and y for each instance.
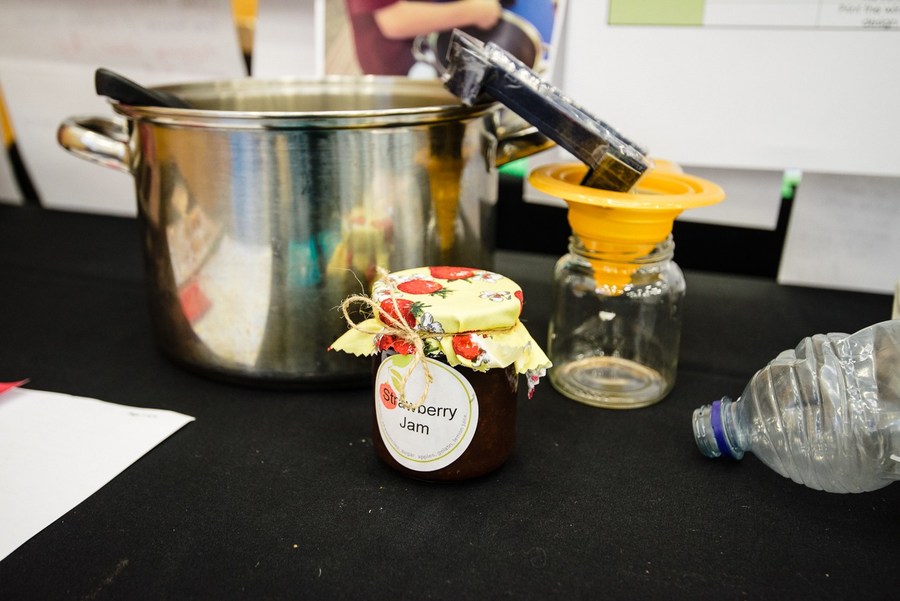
(807, 84)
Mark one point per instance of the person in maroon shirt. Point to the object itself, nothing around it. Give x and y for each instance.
(384, 30)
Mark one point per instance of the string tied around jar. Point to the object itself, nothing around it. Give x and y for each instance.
(399, 328)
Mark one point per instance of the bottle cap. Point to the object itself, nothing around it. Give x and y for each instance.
(710, 433)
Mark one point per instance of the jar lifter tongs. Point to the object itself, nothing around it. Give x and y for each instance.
(476, 69)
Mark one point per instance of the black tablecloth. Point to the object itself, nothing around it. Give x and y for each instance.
(277, 494)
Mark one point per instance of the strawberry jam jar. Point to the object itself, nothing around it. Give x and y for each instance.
(448, 349)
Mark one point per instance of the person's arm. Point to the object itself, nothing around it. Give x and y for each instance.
(409, 18)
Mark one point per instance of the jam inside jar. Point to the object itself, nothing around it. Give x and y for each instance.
(486, 449)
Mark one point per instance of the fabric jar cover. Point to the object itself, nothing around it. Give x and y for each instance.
(471, 316)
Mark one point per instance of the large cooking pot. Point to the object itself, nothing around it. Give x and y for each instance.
(268, 202)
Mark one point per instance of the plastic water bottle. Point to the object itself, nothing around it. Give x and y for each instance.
(826, 414)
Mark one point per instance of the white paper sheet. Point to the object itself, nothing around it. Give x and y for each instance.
(56, 450)
(773, 97)
(844, 233)
(49, 50)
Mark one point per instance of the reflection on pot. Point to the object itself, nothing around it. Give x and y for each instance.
(270, 202)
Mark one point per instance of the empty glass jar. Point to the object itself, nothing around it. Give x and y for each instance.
(616, 324)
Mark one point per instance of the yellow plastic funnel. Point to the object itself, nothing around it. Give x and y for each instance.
(624, 226)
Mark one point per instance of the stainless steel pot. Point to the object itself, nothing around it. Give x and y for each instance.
(268, 202)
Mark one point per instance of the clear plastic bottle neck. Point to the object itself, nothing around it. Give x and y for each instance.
(717, 429)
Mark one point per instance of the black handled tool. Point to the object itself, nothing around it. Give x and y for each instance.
(476, 70)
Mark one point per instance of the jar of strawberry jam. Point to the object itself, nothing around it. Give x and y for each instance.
(448, 348)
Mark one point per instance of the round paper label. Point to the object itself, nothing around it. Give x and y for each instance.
(434, 434)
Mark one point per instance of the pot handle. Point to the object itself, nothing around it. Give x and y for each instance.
(423, 52)
(518, 139)
(98, 140)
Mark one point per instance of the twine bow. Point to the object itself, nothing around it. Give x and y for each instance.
(395, 325)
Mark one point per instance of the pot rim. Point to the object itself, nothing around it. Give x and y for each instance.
(445, 107)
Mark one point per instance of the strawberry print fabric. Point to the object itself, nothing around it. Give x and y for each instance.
(471, 316)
